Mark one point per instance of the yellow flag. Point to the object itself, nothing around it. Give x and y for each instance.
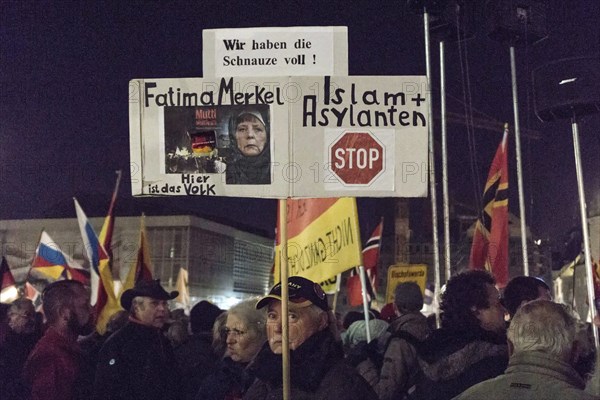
(182, 288)
(323, 238)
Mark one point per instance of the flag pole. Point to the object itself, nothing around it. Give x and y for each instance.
(432, 186)
(447, 252)
(283, 273)
(584, 227)
(513, 71)
(363, 285)
(338, 283)
(115, 192)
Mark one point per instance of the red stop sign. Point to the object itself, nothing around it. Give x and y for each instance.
(357, 158)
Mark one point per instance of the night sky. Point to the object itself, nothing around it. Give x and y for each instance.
(65, 68)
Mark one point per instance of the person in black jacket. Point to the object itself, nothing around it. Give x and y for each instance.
(470, 347)
(317, 367)
(197, 357)
(20, 339)
(137, 361)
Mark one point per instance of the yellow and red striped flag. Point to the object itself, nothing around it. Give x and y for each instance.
(141, 269)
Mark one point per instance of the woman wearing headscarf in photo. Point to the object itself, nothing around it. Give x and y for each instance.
(250, 138)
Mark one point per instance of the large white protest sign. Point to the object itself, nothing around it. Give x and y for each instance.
(279, 137)
(279, 51)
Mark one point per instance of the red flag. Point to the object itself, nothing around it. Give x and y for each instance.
(490, 239)
(370, 255)
(354, 290)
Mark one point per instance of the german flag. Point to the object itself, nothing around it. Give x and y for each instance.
(490, 240)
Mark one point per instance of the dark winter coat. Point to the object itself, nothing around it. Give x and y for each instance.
(137, 363)
(13, 353)
(197, 360)
(452, 361)
(317, 371)
(229, 381)
(400, 368)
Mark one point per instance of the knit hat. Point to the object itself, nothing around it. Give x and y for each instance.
(388, 313)
(408, 296)
(357, 333)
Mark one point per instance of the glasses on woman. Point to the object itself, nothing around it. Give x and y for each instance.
(234, 332)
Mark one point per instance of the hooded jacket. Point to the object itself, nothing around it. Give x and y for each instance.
(317, 371)
(454, 360)
(400, 365)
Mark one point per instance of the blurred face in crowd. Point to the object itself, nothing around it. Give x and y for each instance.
(151, 311)
(544, 294)
(303, 322)
(80, 320)
(242, 343)
(492, 318)
(22, 320)
(250, 136)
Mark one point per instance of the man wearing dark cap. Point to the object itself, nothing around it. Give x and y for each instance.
(317, 369)
(137, 361)
(400, 368)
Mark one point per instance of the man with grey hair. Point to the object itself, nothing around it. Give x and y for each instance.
(543, 350)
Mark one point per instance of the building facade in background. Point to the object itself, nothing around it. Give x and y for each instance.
(224, 264)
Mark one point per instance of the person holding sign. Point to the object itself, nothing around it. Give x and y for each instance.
(249, 135)
(317, 367)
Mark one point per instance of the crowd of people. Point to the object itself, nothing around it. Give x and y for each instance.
(520, 345)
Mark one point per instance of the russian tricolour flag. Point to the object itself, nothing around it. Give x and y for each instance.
(52, 263)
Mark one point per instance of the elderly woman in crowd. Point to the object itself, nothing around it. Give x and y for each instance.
(245, 334)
